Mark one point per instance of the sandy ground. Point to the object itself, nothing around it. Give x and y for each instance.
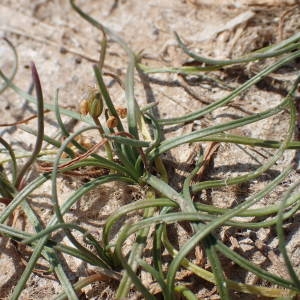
(64, 48)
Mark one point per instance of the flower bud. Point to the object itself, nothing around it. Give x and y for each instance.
(84, 107)
(122, 112)
(95, 105)
(111, 122)
(92, 104)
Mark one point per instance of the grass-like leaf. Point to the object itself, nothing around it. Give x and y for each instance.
(134, 155)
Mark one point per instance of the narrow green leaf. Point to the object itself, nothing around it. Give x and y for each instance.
(14, 68)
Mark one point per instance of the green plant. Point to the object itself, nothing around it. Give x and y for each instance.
(139, 161)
